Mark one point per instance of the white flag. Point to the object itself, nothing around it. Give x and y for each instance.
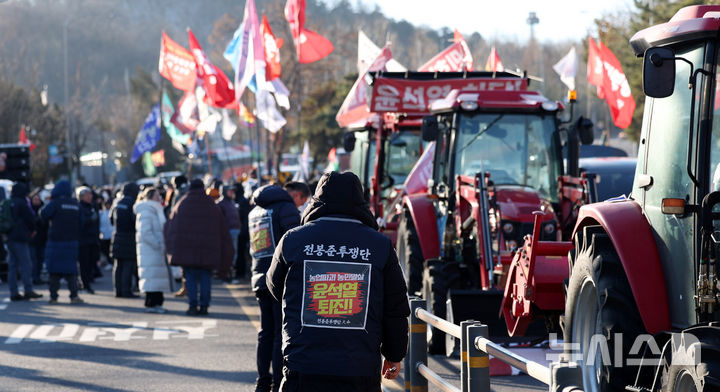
(210, 122)
(282, 95)
(228, 126)
(304, 173)
(567, 68)
(368, 52)
(267, 112)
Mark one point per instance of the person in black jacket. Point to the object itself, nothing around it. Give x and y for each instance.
(62, 215)
(122, 246)
(243, 240)
(273, 215)
(18, 238)
(344, 296)
(37, 242)
(89, 250)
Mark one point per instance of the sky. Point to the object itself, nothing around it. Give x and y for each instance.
(558, 19)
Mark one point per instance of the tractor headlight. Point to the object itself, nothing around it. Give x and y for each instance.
(508, 228)
(550, 106)
(469, 105)
(549, 228)
(511, 244)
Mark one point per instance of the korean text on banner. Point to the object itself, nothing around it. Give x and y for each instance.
(414, 96)
(177, 64)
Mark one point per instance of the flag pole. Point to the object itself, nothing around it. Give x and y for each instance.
(207, 151)
(228, 161)
(257, 141)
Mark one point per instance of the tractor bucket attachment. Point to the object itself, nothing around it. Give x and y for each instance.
(535, 281)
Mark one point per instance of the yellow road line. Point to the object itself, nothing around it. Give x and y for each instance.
(239, 292)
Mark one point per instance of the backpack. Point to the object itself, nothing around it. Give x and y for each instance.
(6, 216)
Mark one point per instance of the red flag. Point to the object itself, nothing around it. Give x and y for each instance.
(467, 58)
(158, 158)
(219, 91)
(493, 62)
(186, 117)
(594, 64)
(310, 46)
(23, 139)
(177, 64)
(416, 181)
(452, 59)
(616, 89)
(354, 107)
(272, 50)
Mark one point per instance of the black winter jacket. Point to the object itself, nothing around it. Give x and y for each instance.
(123, 219)
(273, 215)
(63, 216)
(89, 224)
(23, 216)
(344, 296)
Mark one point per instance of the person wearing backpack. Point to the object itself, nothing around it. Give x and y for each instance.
(18, 237)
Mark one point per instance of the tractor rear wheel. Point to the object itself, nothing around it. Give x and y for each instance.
(694, 364)
(410, 254)
(599, 305)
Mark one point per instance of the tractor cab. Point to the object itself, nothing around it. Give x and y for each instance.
(678, 173)
(510, 136)
(383, 152)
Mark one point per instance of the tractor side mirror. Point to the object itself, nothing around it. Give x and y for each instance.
(659, 72)
(585, 130)
(430, 128)
(349, 141)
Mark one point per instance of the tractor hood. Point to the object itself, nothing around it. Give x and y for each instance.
(517, 203)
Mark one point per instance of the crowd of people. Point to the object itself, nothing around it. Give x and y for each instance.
(312, 253)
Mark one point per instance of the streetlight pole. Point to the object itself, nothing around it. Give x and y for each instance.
(68, 139)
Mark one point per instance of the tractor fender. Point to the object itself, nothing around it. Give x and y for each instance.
(422, 212)
(632, 237)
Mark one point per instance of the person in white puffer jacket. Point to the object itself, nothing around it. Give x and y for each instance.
(152, 267)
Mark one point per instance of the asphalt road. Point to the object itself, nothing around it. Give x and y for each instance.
(111, 344)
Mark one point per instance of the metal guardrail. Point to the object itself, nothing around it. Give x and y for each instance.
(475, 362)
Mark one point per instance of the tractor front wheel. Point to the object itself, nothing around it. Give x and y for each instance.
(599, 306)
(410, 254)
(694, 361)
(435, 287)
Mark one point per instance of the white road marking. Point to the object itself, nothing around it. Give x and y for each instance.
(91, 332)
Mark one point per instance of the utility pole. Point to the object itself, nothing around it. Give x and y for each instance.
(68, 139)
(532, 20)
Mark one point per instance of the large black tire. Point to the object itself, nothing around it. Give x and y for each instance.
(410, 254)
(683, 372)
(600, 302)
(435, 287)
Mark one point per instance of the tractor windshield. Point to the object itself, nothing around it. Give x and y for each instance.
(404, 149)
(516, 148)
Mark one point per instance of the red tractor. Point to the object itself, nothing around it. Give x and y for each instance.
(641, 288)
(498, 154)
(383, 152)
